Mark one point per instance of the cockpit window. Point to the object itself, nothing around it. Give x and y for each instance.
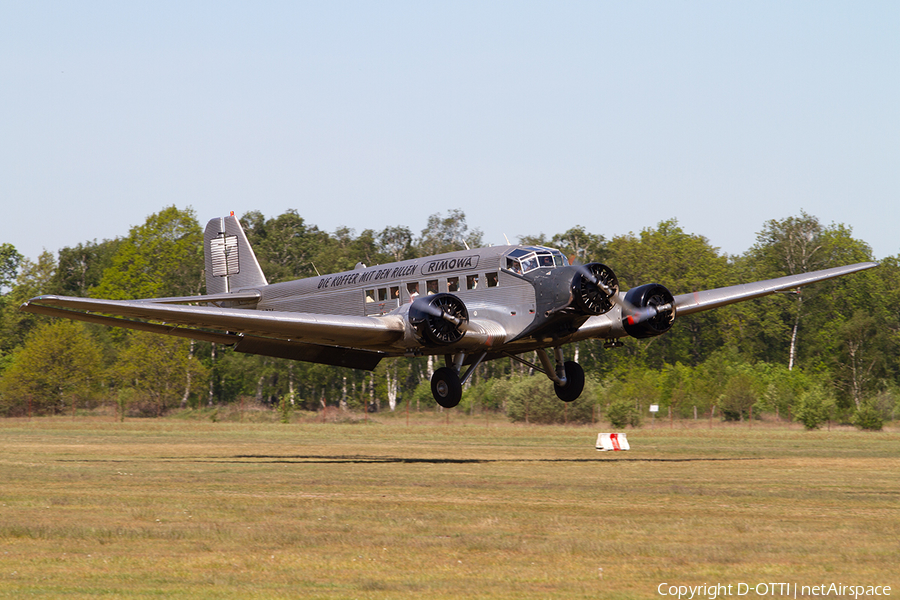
(529, 263)
(529, 258)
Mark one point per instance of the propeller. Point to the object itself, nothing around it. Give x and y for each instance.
(438, 311)
(633, 314)
(602, 293)
(441, 319)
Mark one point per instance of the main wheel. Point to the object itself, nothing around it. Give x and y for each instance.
(446, 388)
(574, 382)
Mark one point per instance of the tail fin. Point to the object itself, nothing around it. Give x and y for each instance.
(231, 264)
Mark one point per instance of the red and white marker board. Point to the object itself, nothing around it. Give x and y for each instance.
(612, 441)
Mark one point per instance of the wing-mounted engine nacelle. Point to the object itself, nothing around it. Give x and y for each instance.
(439, 320)
(593, 288)
(649, 310)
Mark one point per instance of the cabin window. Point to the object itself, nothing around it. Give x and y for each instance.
(471, 282)
(453, 284)
(491, 279)
(431, 287)
(370, 295)
(395, 293)
(413, 289)
(382, 294)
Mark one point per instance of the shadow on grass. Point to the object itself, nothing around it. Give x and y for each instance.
(248, 459)
(266, 458)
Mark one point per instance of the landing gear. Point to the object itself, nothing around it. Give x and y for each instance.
(446, 383)
(446, 387)
(567, 376)
(574, 382)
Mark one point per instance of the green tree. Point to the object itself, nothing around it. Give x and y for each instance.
(814, 407)
(396, 242)
(34, 279)
(738, 394)
(532, 398)
(622, 412)
(580, 246)
(859, 363)
(628, 392)
(160, 368)
(162, 257)
(868, 417)
(80, 268)
(285, 246)
(447, 234)
(343, 250)
(797, 245)
(9, 265)
(683, 263)
(58, 366)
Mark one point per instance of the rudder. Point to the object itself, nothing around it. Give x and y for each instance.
(231, 264)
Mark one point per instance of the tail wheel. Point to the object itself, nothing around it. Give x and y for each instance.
(446, 388)
(574, 382)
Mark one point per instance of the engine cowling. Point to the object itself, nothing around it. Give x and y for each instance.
(650, 312)
(439, 320)
(593, 287)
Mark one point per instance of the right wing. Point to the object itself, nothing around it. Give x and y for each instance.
(358, 342)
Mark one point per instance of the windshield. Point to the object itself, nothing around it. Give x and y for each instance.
(529, 258)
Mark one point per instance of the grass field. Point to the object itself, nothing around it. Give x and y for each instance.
(180, 508)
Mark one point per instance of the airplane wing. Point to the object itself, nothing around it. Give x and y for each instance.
(609, 325)
(330, 339)
(351, 341)
(686, 304)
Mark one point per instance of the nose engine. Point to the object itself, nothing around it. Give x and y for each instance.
(439, 320)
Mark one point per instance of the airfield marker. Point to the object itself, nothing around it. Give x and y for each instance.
(612, 441)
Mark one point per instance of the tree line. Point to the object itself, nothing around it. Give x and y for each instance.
(828, 352)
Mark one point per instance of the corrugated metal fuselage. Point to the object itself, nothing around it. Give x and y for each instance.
(489, 292)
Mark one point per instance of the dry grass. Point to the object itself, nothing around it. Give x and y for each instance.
(196, 509)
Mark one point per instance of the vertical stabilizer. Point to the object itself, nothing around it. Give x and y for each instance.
(231, 264)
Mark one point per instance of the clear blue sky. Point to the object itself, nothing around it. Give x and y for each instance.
(532, 117)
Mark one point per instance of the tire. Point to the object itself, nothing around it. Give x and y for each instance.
(574, 383)
(446, 388)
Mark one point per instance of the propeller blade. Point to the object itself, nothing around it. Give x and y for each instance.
(615, 298)
(436, 311)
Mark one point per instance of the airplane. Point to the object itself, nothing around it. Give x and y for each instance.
(469, 306)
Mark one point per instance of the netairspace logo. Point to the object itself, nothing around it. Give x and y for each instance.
(778, 590)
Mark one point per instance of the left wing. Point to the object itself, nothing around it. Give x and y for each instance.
(686, 304)
(609, 325)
